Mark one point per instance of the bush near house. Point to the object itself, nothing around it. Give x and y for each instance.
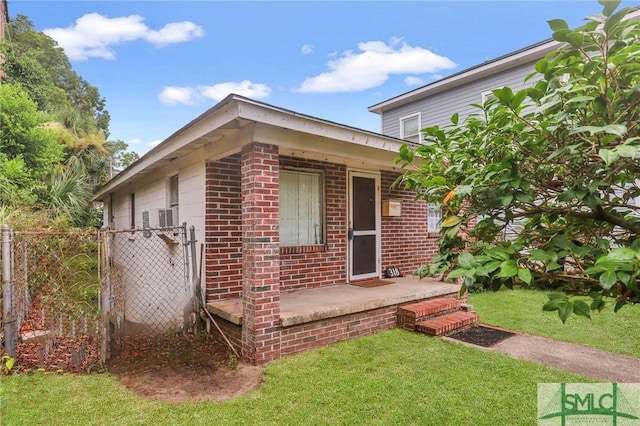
(554, 167)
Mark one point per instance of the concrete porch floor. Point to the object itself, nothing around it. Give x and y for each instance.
(303, 306)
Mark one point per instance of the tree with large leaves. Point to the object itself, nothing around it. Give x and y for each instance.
(540, 187)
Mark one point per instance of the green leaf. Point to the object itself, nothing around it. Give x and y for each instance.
(457, 273)
(558, 24)
(608, 156)
(508, 269)
(608, 6)
(551, 305)
(542, 65)
(575, 39)
(506, 199)
(561, 35)
(623, 254)
(615, 19)
(581, 308)
(564, 310)
(619, 304)
(539, 254)
(557, 296)
(518, 98)
(615, 129)
(463, 290)
(505, 95)
(466, 260)
(450, 221)
(524, 275)
(608, 279)
(454, 118)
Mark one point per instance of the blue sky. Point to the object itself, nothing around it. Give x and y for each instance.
(160, 64)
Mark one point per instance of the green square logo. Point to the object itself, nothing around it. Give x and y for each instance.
(568, 404)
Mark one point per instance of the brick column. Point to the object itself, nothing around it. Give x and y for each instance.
(260, 253)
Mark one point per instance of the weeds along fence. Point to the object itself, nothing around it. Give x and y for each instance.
(70, 299)
(51, 293)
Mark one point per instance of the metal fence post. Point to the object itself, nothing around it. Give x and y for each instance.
(7, 294)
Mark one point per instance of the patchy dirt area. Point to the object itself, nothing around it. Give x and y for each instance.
(177, 368)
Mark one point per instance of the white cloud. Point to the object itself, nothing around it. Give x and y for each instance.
(134, 142)
(153, 143)
(93, 35)
(412, 80)
(246, 88)
(178, 95)
(307, 49)
(372, 65)
(189, 95)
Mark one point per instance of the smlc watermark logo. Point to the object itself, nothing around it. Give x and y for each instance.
(588, 404)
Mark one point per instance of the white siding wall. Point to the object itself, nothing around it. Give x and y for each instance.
(438, 109)
(192, 200)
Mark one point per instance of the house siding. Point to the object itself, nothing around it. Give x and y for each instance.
(438, 109)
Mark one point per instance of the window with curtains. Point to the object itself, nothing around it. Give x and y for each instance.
(434, 217)
(301, 208)
(410, 128)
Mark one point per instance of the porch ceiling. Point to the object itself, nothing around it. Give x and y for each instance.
(303, 306)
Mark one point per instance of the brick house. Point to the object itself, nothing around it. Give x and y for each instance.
(291, 211)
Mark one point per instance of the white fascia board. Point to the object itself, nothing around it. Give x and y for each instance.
(291, 120)
(206, 123)
(477, 72)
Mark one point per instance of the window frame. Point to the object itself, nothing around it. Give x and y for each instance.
(405, 118)
(431, 228)
(132, 210)
(174, 203)
(321, 205)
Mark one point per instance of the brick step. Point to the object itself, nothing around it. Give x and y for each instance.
(410, 315)
(448, 323)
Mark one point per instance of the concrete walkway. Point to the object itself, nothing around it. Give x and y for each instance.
(585, 361)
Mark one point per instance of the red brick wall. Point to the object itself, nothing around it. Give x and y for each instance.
(259, 170)
(406, 243)
(312, 335)
(223, 229)
(326, 267)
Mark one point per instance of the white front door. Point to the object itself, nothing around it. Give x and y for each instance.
(364, 225)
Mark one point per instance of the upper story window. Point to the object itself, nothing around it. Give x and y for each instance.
(434, 217)
(410, 128)
(174, 192)
(301, 211)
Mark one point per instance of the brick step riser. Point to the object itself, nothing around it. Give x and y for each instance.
(448, 324)
(410, 315)
(409, 322)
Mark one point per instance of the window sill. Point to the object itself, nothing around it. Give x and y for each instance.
(303, 249)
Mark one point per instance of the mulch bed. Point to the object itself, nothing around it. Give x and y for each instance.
(482, 335)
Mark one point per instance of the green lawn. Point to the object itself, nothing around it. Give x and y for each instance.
(521, 310)
(390, 378)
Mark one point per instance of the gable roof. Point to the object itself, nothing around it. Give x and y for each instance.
(502, 63)
(230, 116)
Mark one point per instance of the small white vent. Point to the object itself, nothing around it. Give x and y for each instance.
(158, 218)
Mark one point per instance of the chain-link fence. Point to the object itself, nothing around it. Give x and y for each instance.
(148, 290)
(70, 298)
